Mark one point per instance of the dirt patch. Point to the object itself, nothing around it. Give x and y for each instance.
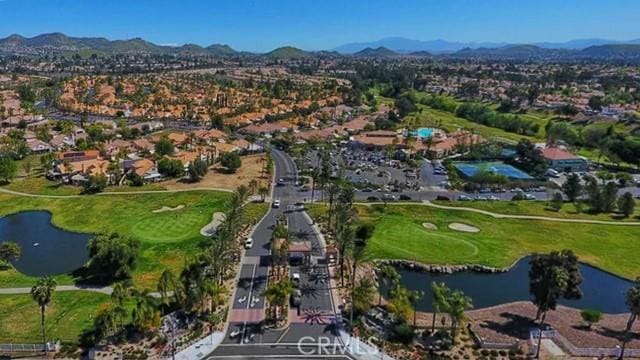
(166, 208)
(429, 226)
(510, 323)
(463, 227)
(251, 169)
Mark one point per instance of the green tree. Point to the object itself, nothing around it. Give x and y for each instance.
(363, 295)
(42, 292)
(170, 167)
(556, 201)
(96, 184)
(112, 257)
(164, 147)
(389, 277)
(170, 287)
(231, 161)
(626, 204)
(572, 188)
(457, 304)
(591, 316)
(197, 169)
(440, 297)
(633, 304)
(9, 251)
(551, 277)
(8, 168)
(144, 315)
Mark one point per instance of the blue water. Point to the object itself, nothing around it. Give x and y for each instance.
(424, 132)
(58, 252)
(601, 290)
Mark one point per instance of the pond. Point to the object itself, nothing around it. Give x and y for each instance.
(45, 248)
(601, 290)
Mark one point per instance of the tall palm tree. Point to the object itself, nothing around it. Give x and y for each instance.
(440, 294)
(633, 303)
(42, 292)
(458, 303)
(169, 287)
(144, 314)
(414, 298)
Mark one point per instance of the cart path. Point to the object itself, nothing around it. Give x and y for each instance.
(107, 290)
(18, 193)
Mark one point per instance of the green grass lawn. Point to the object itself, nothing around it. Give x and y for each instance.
(168, 239)
(432, 117)
(399, 234)
(539, 208)
(69, 314)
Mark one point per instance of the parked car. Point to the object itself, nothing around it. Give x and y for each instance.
(373, 198)
(464, 197)
(442, 198)
(389, 197)
(248, 244)
(404, 197)
(295, 279)
(493, 198)
(529, 197)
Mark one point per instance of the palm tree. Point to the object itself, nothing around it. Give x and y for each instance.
(253, 186)
(278, 293)
(168, 286)
(458, 303)
(440, 294)
(633, 303)
(144, 314)
(363, 295)
(263, 192)
(42, 293)
(389, 277)
(414, 298)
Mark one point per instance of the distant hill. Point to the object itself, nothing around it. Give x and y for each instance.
(511, 52)
(407, 46)
(63, 43)
(287, 52)
(616, 51)
(377, 52)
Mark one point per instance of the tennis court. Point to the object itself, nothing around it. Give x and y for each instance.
(512, 173)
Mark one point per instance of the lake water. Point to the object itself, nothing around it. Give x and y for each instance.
(601, 290)
(58, 251)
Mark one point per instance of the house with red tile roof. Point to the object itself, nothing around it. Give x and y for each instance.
(562, 160)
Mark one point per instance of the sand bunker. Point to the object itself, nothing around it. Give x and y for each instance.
(429, 226)
(210, 228)
(463, 228)
(166, 208)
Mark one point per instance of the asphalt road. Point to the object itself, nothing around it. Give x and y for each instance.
(311, 332)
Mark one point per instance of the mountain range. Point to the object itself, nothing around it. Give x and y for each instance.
(406, 46)
(385, 48)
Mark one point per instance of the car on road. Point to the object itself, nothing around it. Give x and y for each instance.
(248, 244)
(442, 198)
(276, 203)
(295, 279)
(296, 297)
(389, 197)
(493, 198)
(463, 197)
(280, 182)
(529, 197)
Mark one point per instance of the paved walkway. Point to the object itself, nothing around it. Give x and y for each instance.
(25, 290)
(107, 290)
(107, 193)
(506, 216)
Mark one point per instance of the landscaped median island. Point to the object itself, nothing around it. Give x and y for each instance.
(400, 234)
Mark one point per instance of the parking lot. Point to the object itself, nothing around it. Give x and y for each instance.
(379, 178)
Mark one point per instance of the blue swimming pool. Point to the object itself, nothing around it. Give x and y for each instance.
(424, 132)
(470, 169)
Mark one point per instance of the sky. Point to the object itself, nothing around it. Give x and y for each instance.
(261, 25)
